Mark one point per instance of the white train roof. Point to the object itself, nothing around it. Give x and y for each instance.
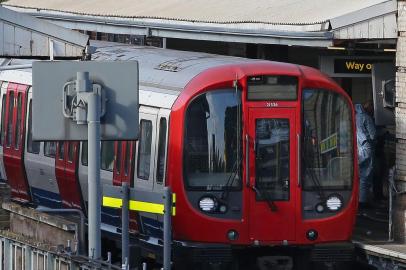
(163, 68)
(163, 73)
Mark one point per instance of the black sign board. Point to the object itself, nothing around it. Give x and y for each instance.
(272, 87)
(353, 66)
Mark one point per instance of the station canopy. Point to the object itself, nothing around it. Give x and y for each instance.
(288, 22)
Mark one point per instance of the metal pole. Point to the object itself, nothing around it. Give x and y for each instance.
(167, 228)
(125, 234)
(93, 129)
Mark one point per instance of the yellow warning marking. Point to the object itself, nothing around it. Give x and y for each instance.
(112, 202)
(148, 207)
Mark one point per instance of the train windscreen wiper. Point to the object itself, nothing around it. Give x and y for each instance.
(230, 181)
(315, 178)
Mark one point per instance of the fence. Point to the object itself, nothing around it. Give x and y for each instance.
(20, 254)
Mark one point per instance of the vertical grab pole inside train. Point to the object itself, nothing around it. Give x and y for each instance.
(84, 90)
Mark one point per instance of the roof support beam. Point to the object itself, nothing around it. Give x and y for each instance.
(183, 31)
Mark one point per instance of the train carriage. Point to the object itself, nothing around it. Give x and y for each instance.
(260, 154)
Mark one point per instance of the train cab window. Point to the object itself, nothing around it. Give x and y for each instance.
(327, 140)
(160, 169)
(212, 145)
(10, 119)
(32, 146)
(61, 152)
(17, 133)
(3, 118)
(84, 153)
(118, 158)
(144, 149)
(50, 149)
(107, 155)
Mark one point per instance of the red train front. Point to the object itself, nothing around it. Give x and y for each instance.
(261, 156)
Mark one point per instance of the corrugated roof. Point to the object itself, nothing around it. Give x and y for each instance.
(286, 12)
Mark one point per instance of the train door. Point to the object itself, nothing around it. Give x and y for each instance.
(14, 141)
(145, 159)
(66, 171)
(145, 166)
(124, 162)
(272, 174)
(3, 96)
(124, 171)
(39, 166)
(161, 150)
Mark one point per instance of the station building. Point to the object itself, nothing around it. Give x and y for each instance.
(360, 44)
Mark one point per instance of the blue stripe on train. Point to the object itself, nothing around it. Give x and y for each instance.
(151, 226)
(46, 198)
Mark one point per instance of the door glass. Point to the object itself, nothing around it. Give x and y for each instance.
(118, 158)
(144, 150)
(50, 149)
(272, 159)
(3, 118)
(10, 119)
(32, 146)
(17, 138)
(160, 168)
(127, 158)
(71, 152)
(61, 152)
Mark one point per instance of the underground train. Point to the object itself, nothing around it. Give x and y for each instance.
(261, 154)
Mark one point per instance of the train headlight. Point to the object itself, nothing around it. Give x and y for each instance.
(232, 235)
(207, 204)
(312, 235)
(334, 202)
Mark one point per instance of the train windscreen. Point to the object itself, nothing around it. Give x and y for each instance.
(327, 141)
(212, 145)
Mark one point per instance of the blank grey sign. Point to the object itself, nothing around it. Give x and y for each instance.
(119, 81)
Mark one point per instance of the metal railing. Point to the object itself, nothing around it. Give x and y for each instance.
(18, 254)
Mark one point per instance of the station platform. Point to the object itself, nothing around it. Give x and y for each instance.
(371, 239)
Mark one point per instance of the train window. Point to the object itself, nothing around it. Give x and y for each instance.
(32, 146)
(84, 153)
(127, 157)
(61, 150)
(212, 145)
(327, 160)
(160, 169)
(71, 152)
(107, 155)
(17, 133)
(10, 119)
(50, 149)
(118, 158)
(144, 149)
(273, 87)
(272, 158)
(3, 119)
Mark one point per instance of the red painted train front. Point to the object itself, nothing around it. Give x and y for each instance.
(261, 155)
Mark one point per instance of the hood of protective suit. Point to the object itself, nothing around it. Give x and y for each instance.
(359, 108)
